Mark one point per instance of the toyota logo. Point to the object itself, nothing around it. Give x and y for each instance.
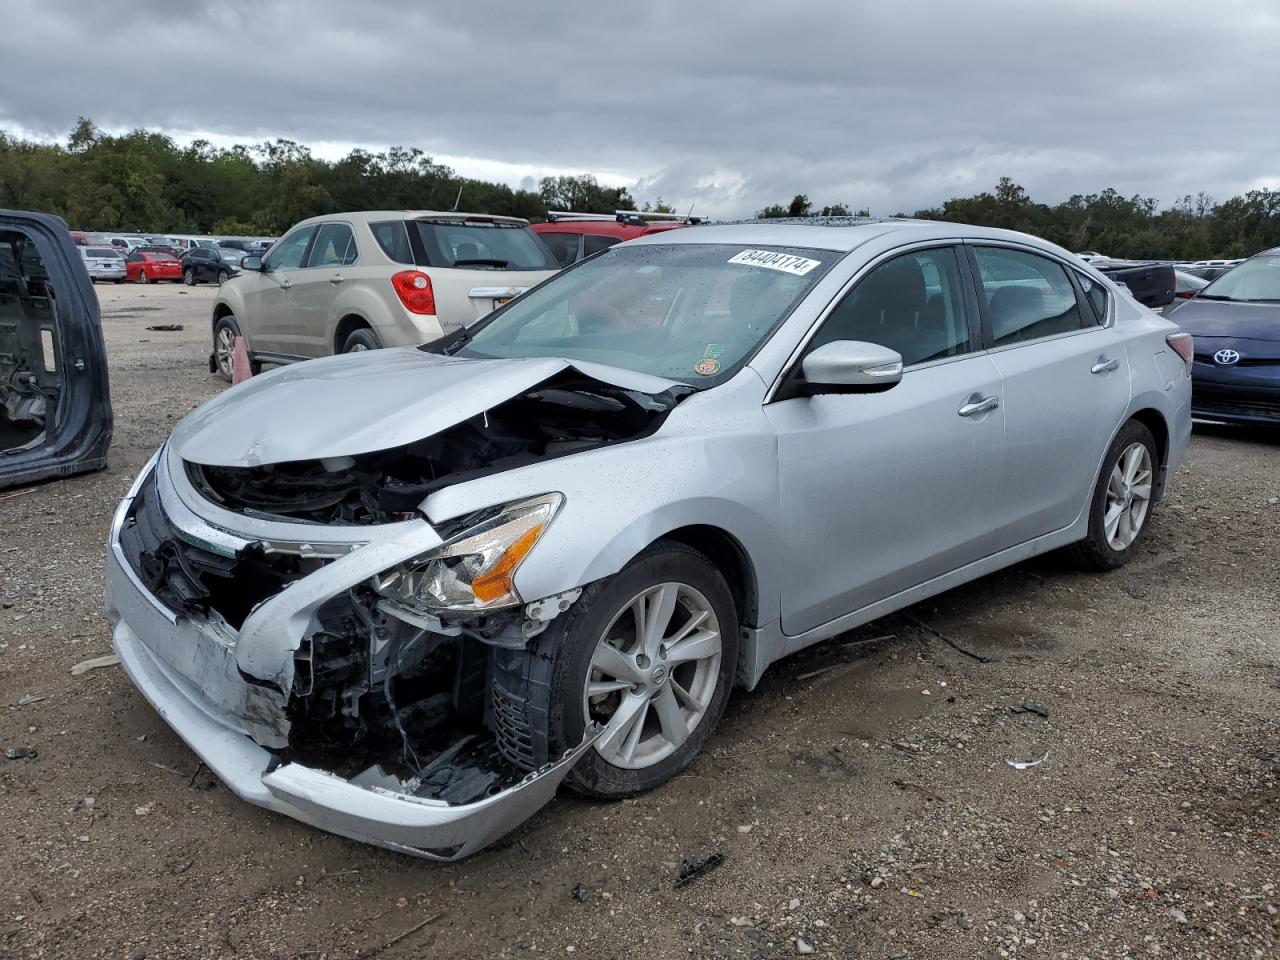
(1225, 358)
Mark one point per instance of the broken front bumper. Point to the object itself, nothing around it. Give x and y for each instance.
(188, 671)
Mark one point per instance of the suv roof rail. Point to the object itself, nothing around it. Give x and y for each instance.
(554, 216)
(643, 217)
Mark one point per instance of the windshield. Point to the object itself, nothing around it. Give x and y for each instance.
(1254, 280)
(688, 312)
(482, 245)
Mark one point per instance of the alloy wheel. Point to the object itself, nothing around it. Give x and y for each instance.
(224, 346)
(142, 277)
(653, 675)
(1128, 496)
(189, 278)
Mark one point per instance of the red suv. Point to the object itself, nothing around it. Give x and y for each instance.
(572, 236)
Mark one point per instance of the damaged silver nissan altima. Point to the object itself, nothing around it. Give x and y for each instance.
(404, 594)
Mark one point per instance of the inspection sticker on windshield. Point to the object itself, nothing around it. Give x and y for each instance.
(775, 261)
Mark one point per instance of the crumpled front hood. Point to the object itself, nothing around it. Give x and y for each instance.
(364, 402)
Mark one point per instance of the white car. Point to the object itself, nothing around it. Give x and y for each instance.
(361, 281)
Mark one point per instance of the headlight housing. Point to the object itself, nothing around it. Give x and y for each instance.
(474, 570)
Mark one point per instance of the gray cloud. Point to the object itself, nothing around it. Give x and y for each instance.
(729, 105)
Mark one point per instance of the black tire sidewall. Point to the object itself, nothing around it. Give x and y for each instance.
(572, 641)
(363, 335)
(189, 277)
(1131, 432)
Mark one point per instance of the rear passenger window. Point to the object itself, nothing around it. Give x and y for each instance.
(1028, 296)
(592, 244)
(563, 246)
(334, 247)
(912, 304)
(393, 239)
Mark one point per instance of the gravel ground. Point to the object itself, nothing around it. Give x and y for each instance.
(860, 796)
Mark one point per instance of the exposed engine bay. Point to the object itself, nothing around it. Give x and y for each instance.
(384, 694)
(29, 381)
(566, 414)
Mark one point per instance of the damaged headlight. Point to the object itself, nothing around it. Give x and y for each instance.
(473, 570)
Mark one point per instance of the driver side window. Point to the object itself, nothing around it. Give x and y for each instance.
(288, 253)
(913, 304)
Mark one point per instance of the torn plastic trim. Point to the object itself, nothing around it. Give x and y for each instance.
(374, 814)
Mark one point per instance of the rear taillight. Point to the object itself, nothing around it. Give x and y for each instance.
(1184, 345)
(413, 287)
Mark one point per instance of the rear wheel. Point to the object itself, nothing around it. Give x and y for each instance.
(649, 654)
(1122, 500)
(142, 277)
(362, 339)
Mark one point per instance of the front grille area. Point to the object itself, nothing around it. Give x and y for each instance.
(189, 579)
(1241, 402)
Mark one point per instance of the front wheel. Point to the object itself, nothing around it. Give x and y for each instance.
(189, 277)
(1122, 500)
(223, 277)
(225, 332)
(650, 655)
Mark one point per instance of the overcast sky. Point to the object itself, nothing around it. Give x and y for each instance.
(894, 104)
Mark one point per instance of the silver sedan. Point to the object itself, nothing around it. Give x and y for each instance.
(403, 595)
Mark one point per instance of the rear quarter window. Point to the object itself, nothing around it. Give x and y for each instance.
(393, 239)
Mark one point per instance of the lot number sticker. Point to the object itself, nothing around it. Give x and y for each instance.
(784, 262)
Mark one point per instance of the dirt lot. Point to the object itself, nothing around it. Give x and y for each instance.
(861, 795)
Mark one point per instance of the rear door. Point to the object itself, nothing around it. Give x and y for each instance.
(318, 284)
(55, 405)
(881, 492)
(1066, 383)
(271, 323)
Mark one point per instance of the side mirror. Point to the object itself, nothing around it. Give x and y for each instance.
(251, 263)
(849, 366)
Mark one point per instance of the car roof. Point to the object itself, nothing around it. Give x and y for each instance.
(838, 233)
(605, 228)
(373, 216)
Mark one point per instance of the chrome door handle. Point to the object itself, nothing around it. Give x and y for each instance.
(336, 279)
(1105, 365)
(286, 284)
(978, 404)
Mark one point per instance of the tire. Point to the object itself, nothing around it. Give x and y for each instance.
(540, 698)
(223, 277)
(1112, 536)
(142, 277)
(189, 277)
(225, 331)
(118, 281)
(362, 339)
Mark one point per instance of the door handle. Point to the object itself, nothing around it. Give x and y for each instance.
(336, 279)
(978, 404)
(286, 284)
(1105, 365)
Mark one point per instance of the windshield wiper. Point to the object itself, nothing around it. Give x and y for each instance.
(480, 261)
(1212, 296)
(449, 344)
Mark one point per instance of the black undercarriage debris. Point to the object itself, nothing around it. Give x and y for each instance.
(566, 414)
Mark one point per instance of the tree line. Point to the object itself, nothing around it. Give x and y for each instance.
(144, 182)
(1193, 228)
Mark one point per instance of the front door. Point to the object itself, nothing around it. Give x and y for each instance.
(884, 491)
(318, 285)
(1066, 385)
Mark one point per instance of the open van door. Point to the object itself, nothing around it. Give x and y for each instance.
(55, 405)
